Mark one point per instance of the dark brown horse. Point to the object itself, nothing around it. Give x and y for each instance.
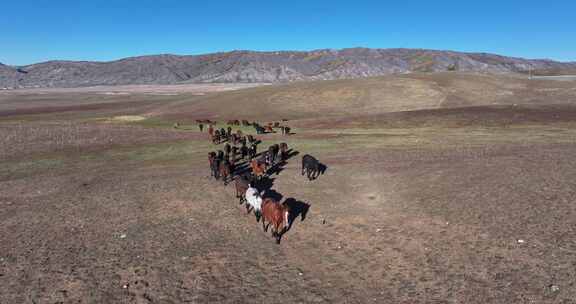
(241, 184)
(225, 171)
(283, 151)
(212, 160)
(276, 214)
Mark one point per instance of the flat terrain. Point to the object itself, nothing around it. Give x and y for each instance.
(440, 188)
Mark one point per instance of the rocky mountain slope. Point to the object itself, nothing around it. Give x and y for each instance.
(250, 66)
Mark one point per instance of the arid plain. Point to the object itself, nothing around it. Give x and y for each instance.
(440, 188)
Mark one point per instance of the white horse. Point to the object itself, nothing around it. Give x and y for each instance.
(254, 200)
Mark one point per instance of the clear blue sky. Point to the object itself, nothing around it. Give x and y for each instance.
(32, 30)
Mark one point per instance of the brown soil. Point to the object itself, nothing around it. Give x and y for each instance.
(425, 207)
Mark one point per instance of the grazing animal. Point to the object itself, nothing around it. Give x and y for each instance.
(213, 160)
(243, 151)
(216, 137)
(311, 165)
(176, 125)
(259, 129)
(252, 151)
(271, 158)
(283, 151)
(225, 171)
(258, 168)
(245, 123)
(241, 184)
(250, 139)
(233, 154)
(286, 130)
(268, 129)
(254, 200)
(220, 155)
(277, 215)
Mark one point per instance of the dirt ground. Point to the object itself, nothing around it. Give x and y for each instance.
(474, 205)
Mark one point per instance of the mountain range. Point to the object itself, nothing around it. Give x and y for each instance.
(267, 67)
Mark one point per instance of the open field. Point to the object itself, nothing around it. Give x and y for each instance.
(440, 188)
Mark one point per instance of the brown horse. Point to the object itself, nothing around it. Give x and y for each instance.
(258, 169)
(276, 214)
(225, 171)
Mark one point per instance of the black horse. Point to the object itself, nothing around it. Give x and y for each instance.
(312, 167)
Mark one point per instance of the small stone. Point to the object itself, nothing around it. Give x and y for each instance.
(554, 288)
(300, 273)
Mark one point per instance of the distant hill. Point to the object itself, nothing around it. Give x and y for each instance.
(272, 67)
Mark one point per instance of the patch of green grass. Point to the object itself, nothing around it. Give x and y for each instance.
(19, 169)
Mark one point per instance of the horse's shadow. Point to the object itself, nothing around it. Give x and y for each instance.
(273, 194)
(297, 209)
(265, 183)
(322, 168)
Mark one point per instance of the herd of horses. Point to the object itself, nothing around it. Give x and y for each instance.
(239, 161)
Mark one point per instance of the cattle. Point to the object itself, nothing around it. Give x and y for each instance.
(176, 125)
(258, 168)
(245, 123)
(241, 184)
(268, 129)
(277, 215)
(311, 165)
